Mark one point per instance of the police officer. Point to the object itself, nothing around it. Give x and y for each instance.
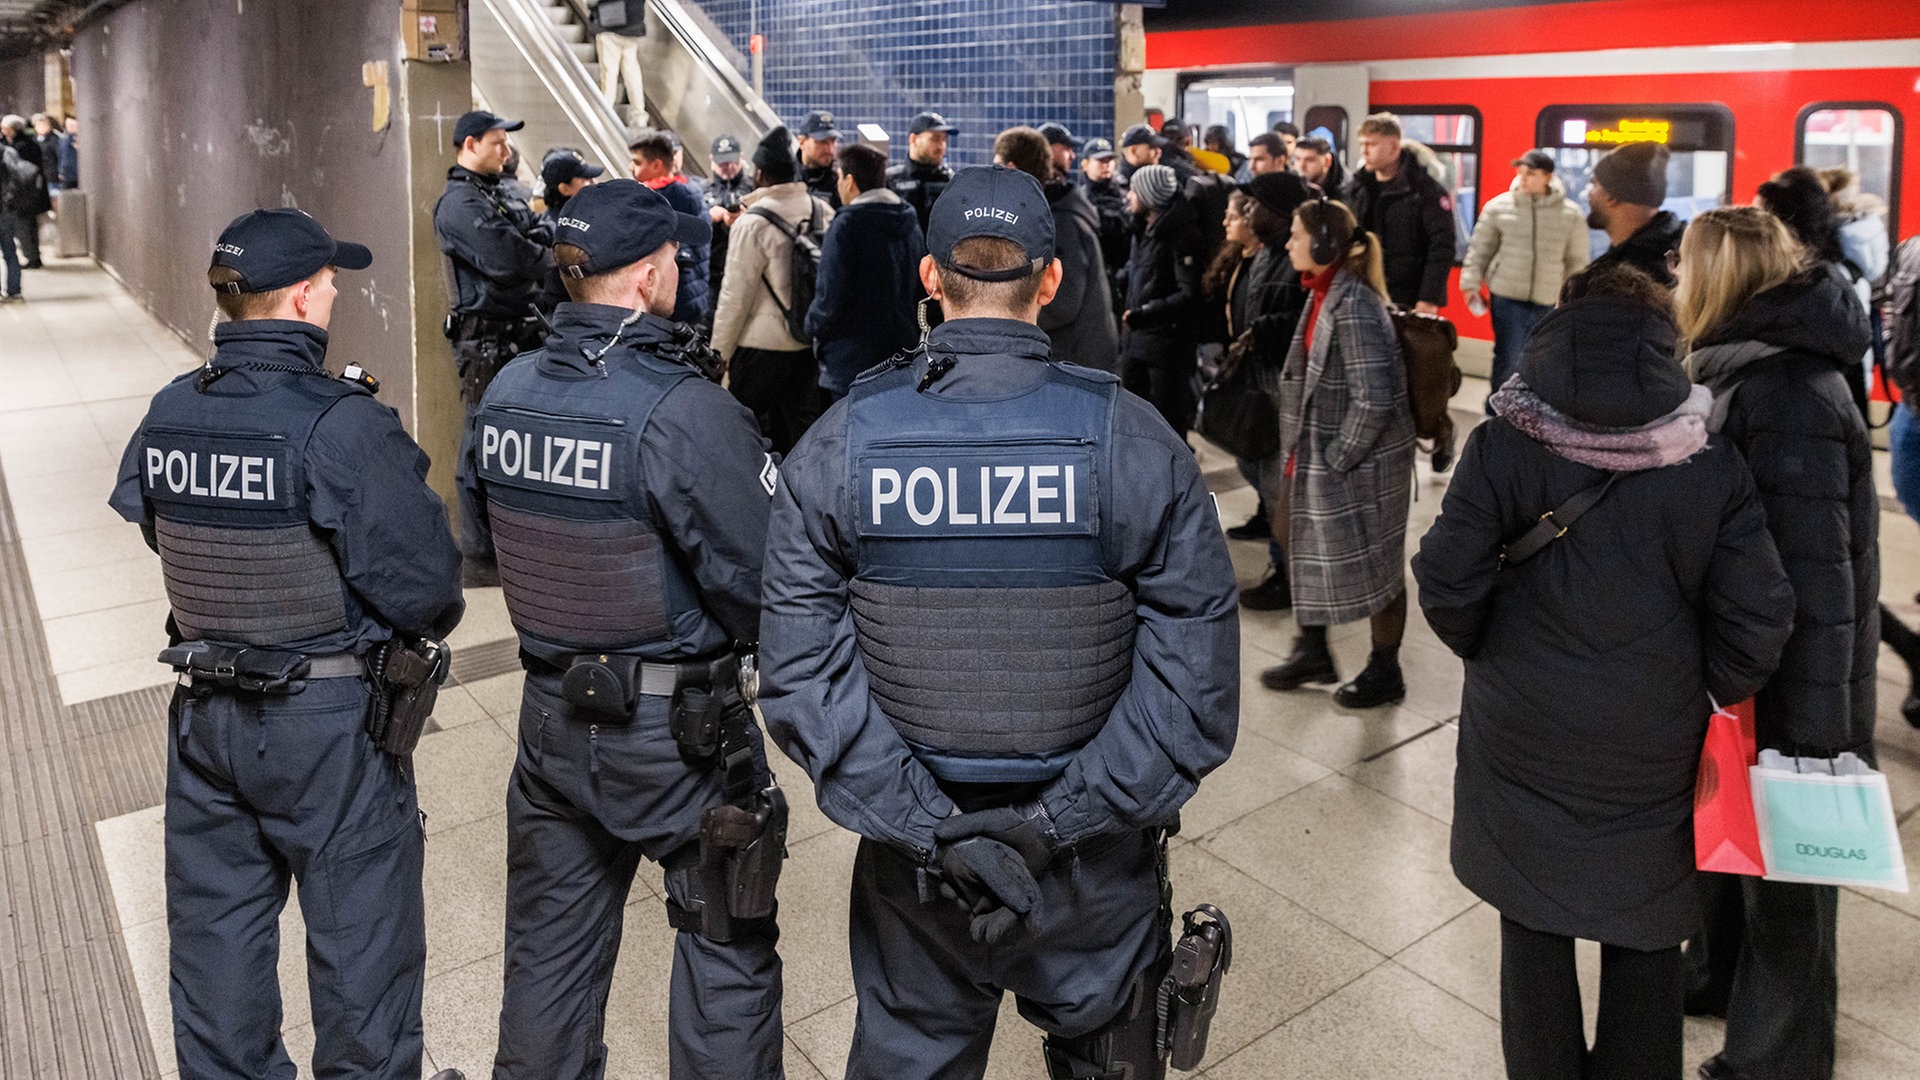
(499, 254)
(627, 496)
(727, 184)
(818, 147)
(563, 174)
(299, 542)
(999, 632)
(925, 174)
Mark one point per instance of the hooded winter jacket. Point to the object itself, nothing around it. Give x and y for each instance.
(1080, 318)
(1781, 374)
(868, 284)
(1645, 251)
(1588, 667)
(1413, 217)
(1525, 247)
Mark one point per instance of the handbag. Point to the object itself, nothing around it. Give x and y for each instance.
(1554, 523)
(1726, 838)
(1827, 821)
(1237, 415)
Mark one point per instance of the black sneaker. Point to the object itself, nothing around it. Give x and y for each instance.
(1308, 664)
(1272, 594)
(34, 265)
(1379, 684)
(1256, 528)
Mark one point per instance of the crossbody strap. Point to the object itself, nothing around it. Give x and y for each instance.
(1554, 523)
(792, 233)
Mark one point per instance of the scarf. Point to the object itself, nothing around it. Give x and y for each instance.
(1719, 368)
(659, 182)
(1317, 285)
(1669, 440)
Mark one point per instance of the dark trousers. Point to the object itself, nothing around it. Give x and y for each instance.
(1785, 999)
(9, 224)
(782, 389)
(929, 994)
(1512, 324)
(26, 227)
(477, 358)
(589, 798)
(1167, 385)
(1640, 1027)
(266, 790)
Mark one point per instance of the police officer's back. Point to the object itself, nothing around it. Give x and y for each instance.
(302, 549)
(1000, 634)
(627, 495)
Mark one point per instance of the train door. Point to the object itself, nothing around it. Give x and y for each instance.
(1699, 137)
(1245, 103)
(1331, 100)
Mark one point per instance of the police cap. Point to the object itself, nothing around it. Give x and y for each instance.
(726, 150)
(477, 123)
(930, 121)
(272, 249)
(565, 165)
(992, 200)
(620, 222)
(1097, 149)
(818, 125)
(1141, 135)
(1058, 135)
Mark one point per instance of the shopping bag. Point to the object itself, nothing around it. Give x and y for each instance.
(1726, 838)
(1827, 821)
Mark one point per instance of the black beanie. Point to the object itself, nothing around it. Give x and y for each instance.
(774, 157)
(1605, 361)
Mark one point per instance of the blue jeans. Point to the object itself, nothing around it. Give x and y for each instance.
(1512, 324)
(9, 225)
(1903, 444)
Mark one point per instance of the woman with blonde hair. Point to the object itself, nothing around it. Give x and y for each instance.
(1776, 338)
(1347, 433)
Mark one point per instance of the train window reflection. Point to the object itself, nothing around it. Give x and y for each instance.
(1861, 136)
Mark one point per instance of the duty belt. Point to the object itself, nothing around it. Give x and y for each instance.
(207, 666)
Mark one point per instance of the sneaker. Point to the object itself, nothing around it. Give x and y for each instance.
(1714, 1068)
(1256, 528)
(1308, 664)
(34, 265)
(1272, 594)
(12, 298)
(1910, 709)
(1379, 684)
(449, 1074)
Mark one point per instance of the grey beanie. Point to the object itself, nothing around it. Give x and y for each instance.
(1155, 185)
(1635, 173)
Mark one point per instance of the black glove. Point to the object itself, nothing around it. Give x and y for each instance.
(541, 233)
(991, 881)
(1027, 829)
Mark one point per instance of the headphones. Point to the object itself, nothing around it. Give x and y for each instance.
(1323, 251)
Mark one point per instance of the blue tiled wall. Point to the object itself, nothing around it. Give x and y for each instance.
(987, 65)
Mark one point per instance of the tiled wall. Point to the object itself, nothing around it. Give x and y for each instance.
(987, 65)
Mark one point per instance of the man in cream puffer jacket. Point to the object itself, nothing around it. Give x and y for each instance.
(1528, 241)
(769, 370)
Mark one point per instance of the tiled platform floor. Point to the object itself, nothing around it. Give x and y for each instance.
(1358, 955)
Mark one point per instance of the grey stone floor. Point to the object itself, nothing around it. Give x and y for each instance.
(1324, 837)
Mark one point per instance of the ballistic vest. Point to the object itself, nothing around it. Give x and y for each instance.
(582, 562)
(225, 475)
(993, 637)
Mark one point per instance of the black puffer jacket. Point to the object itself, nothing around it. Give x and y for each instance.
(1780, 374)
(1163, 287)
(1589, 666)
(1080, 319)
(1413, 217)
(1645, 251)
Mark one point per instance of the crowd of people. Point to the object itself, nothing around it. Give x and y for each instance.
(38, 160)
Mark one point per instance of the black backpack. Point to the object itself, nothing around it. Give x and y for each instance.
(1903, 320)
(803, 265)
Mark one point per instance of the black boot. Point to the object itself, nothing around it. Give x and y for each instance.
(1255, 528)
(1310, 662)
(1272, 594)
(1380, 684)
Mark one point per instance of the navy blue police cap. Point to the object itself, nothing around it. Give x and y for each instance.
(620, 222)
(726, 150)
(992, 200)
(564, 165)
(1058, 135)
(272, 249)
(1141, 135)
(818, 125)
(1097, 148)
(930, 121)
(474, 124)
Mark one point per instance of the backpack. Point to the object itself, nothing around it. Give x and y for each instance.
(1426, 347)
(1903, 320)
(803, 266)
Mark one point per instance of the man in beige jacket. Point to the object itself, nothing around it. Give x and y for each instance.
(768, 369)
(1529, 240)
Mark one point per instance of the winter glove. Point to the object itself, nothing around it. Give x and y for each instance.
(991, 882)
(1026, 829)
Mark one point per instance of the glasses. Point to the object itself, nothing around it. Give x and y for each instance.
(1673, 260)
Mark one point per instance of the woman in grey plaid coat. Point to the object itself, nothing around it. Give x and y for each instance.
(1345, 421)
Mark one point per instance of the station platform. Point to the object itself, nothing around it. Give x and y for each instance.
(1357, 953)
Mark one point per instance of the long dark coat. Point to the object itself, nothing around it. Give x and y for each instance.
(1344, 414)
(1588, 667)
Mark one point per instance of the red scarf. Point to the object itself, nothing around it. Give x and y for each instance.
(659, 182)
(1317, 284)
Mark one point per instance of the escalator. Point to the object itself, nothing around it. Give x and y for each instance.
(533, 60)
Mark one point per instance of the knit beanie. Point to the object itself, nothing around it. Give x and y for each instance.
(1635, 173)
(1155, 186)
(774, 157)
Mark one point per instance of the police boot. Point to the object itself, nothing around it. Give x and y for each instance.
(1310, 662)
(1380, 684)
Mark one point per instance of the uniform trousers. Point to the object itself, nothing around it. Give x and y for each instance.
(591, 796)
(263, 790)
(929, 994)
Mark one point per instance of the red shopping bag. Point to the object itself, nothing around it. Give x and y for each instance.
(1725, 837)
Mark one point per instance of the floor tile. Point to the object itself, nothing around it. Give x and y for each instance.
(76, 642)
(1258, 772)
(1420, 773)
(118, 677)
(95, 588)
(133, 849)
(462, 775)
(1879, 959)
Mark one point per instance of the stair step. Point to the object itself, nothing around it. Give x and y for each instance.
(586, 51)
(571, 33)
(558, 14)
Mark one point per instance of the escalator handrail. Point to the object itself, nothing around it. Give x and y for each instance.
(565, 77)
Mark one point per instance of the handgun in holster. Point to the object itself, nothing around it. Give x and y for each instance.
(743, 841)
(1191, 993)
(261, 671)
(406, 679)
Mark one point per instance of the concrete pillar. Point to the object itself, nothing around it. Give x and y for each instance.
(1130, 62)
(432, 96)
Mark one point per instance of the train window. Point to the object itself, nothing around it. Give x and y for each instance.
(1452, 132)
(1327, 122)
(1863, 136)
(1699, 137)
(1246, 104)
